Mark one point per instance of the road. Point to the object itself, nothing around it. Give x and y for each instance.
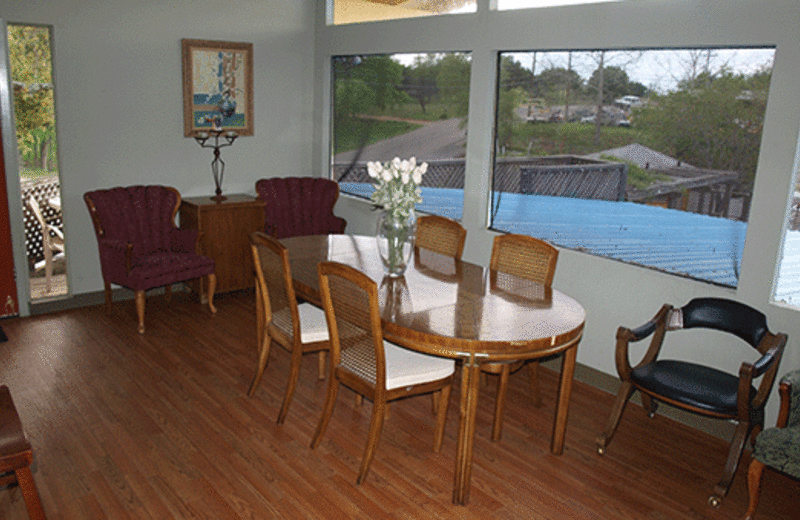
(443, 139)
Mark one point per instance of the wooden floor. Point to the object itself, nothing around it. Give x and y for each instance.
(159, 426)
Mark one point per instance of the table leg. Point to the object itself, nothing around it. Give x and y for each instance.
(562, 405)
(470, 378)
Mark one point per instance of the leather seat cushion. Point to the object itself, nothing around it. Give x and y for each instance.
(694, 385)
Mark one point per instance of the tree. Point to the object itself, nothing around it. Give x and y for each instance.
(712, 120)
(419, 82)
(514, 75)
(506, 118)
(556, 82)
(32, 79)
(452, 80)
(615, 81)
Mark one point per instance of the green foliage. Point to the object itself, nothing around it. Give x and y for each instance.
(353, 133)
(419, 82)
(352, 97)
(713, 122)
(507, 121)
(565, 138)
(32, 77)
(638, 178)
(452, 79)
(616, 83)
(513, 75)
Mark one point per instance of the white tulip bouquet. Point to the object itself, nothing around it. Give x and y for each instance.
(397, 192)
(397, 185)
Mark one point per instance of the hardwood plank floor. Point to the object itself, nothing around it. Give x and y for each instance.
(159, 426)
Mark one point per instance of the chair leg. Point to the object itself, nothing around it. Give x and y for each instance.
(624, 394)
(139, 296)
(321, 365)
(212, 286)
(375, 427)
(29, 493)
(291, 384)
(754, 474)
(48, 264)
(263, 358)
(500, 402)
(533, 382)
(734, 455)
(650, 405)
(327, 411)
(443, 400)
(108, 293)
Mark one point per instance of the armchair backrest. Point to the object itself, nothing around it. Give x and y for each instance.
(728, 316)
(297, 206)
(141, 215)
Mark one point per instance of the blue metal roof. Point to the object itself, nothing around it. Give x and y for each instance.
(698, 246)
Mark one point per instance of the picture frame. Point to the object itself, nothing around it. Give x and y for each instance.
(217, 86)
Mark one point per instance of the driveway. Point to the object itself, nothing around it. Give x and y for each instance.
(443, 139)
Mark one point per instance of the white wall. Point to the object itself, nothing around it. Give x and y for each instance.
(613, 293)
(120, 110)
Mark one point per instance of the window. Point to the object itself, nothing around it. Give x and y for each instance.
(31, 58)
(787, 286)
(355, 11)
(402, 105)
(507, 5)
(644, 156)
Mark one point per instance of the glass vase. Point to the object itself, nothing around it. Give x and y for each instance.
(395, 237)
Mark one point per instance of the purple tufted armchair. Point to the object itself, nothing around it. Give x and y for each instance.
(140, 247)
(297, 206)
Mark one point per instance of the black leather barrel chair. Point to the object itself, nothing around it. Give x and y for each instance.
(697, 388)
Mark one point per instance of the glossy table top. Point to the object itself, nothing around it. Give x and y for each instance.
(448, 307)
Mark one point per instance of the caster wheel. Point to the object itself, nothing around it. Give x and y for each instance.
(714, 501)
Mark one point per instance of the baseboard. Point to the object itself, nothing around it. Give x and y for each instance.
(89, 299)
(611, 384)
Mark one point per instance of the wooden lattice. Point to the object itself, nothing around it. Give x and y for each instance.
(42, 190)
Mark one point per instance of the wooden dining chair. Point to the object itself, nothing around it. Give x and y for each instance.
(441, 235)
(534, 259)
(365, 363)
(300, 329)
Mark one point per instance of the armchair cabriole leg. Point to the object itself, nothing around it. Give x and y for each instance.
(754, 474)
(108, 294)
(139, 296)
(212, 287)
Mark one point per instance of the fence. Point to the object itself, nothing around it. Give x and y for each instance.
(41, 190)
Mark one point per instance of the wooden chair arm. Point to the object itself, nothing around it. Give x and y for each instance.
(765, 367)
(656, 328)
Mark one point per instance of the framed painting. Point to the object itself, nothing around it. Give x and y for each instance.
(217, 86)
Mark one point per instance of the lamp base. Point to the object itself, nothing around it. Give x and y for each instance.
(219, 198)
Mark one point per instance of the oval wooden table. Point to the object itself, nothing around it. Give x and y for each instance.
(458, 310)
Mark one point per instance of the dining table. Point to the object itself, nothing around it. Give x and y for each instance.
(460, 310)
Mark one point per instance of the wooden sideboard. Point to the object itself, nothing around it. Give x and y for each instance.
(225, 228)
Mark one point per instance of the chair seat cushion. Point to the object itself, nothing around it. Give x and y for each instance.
(779, 448)
(165, 267)
(405, 367)
(690, 384)
(313, 326)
